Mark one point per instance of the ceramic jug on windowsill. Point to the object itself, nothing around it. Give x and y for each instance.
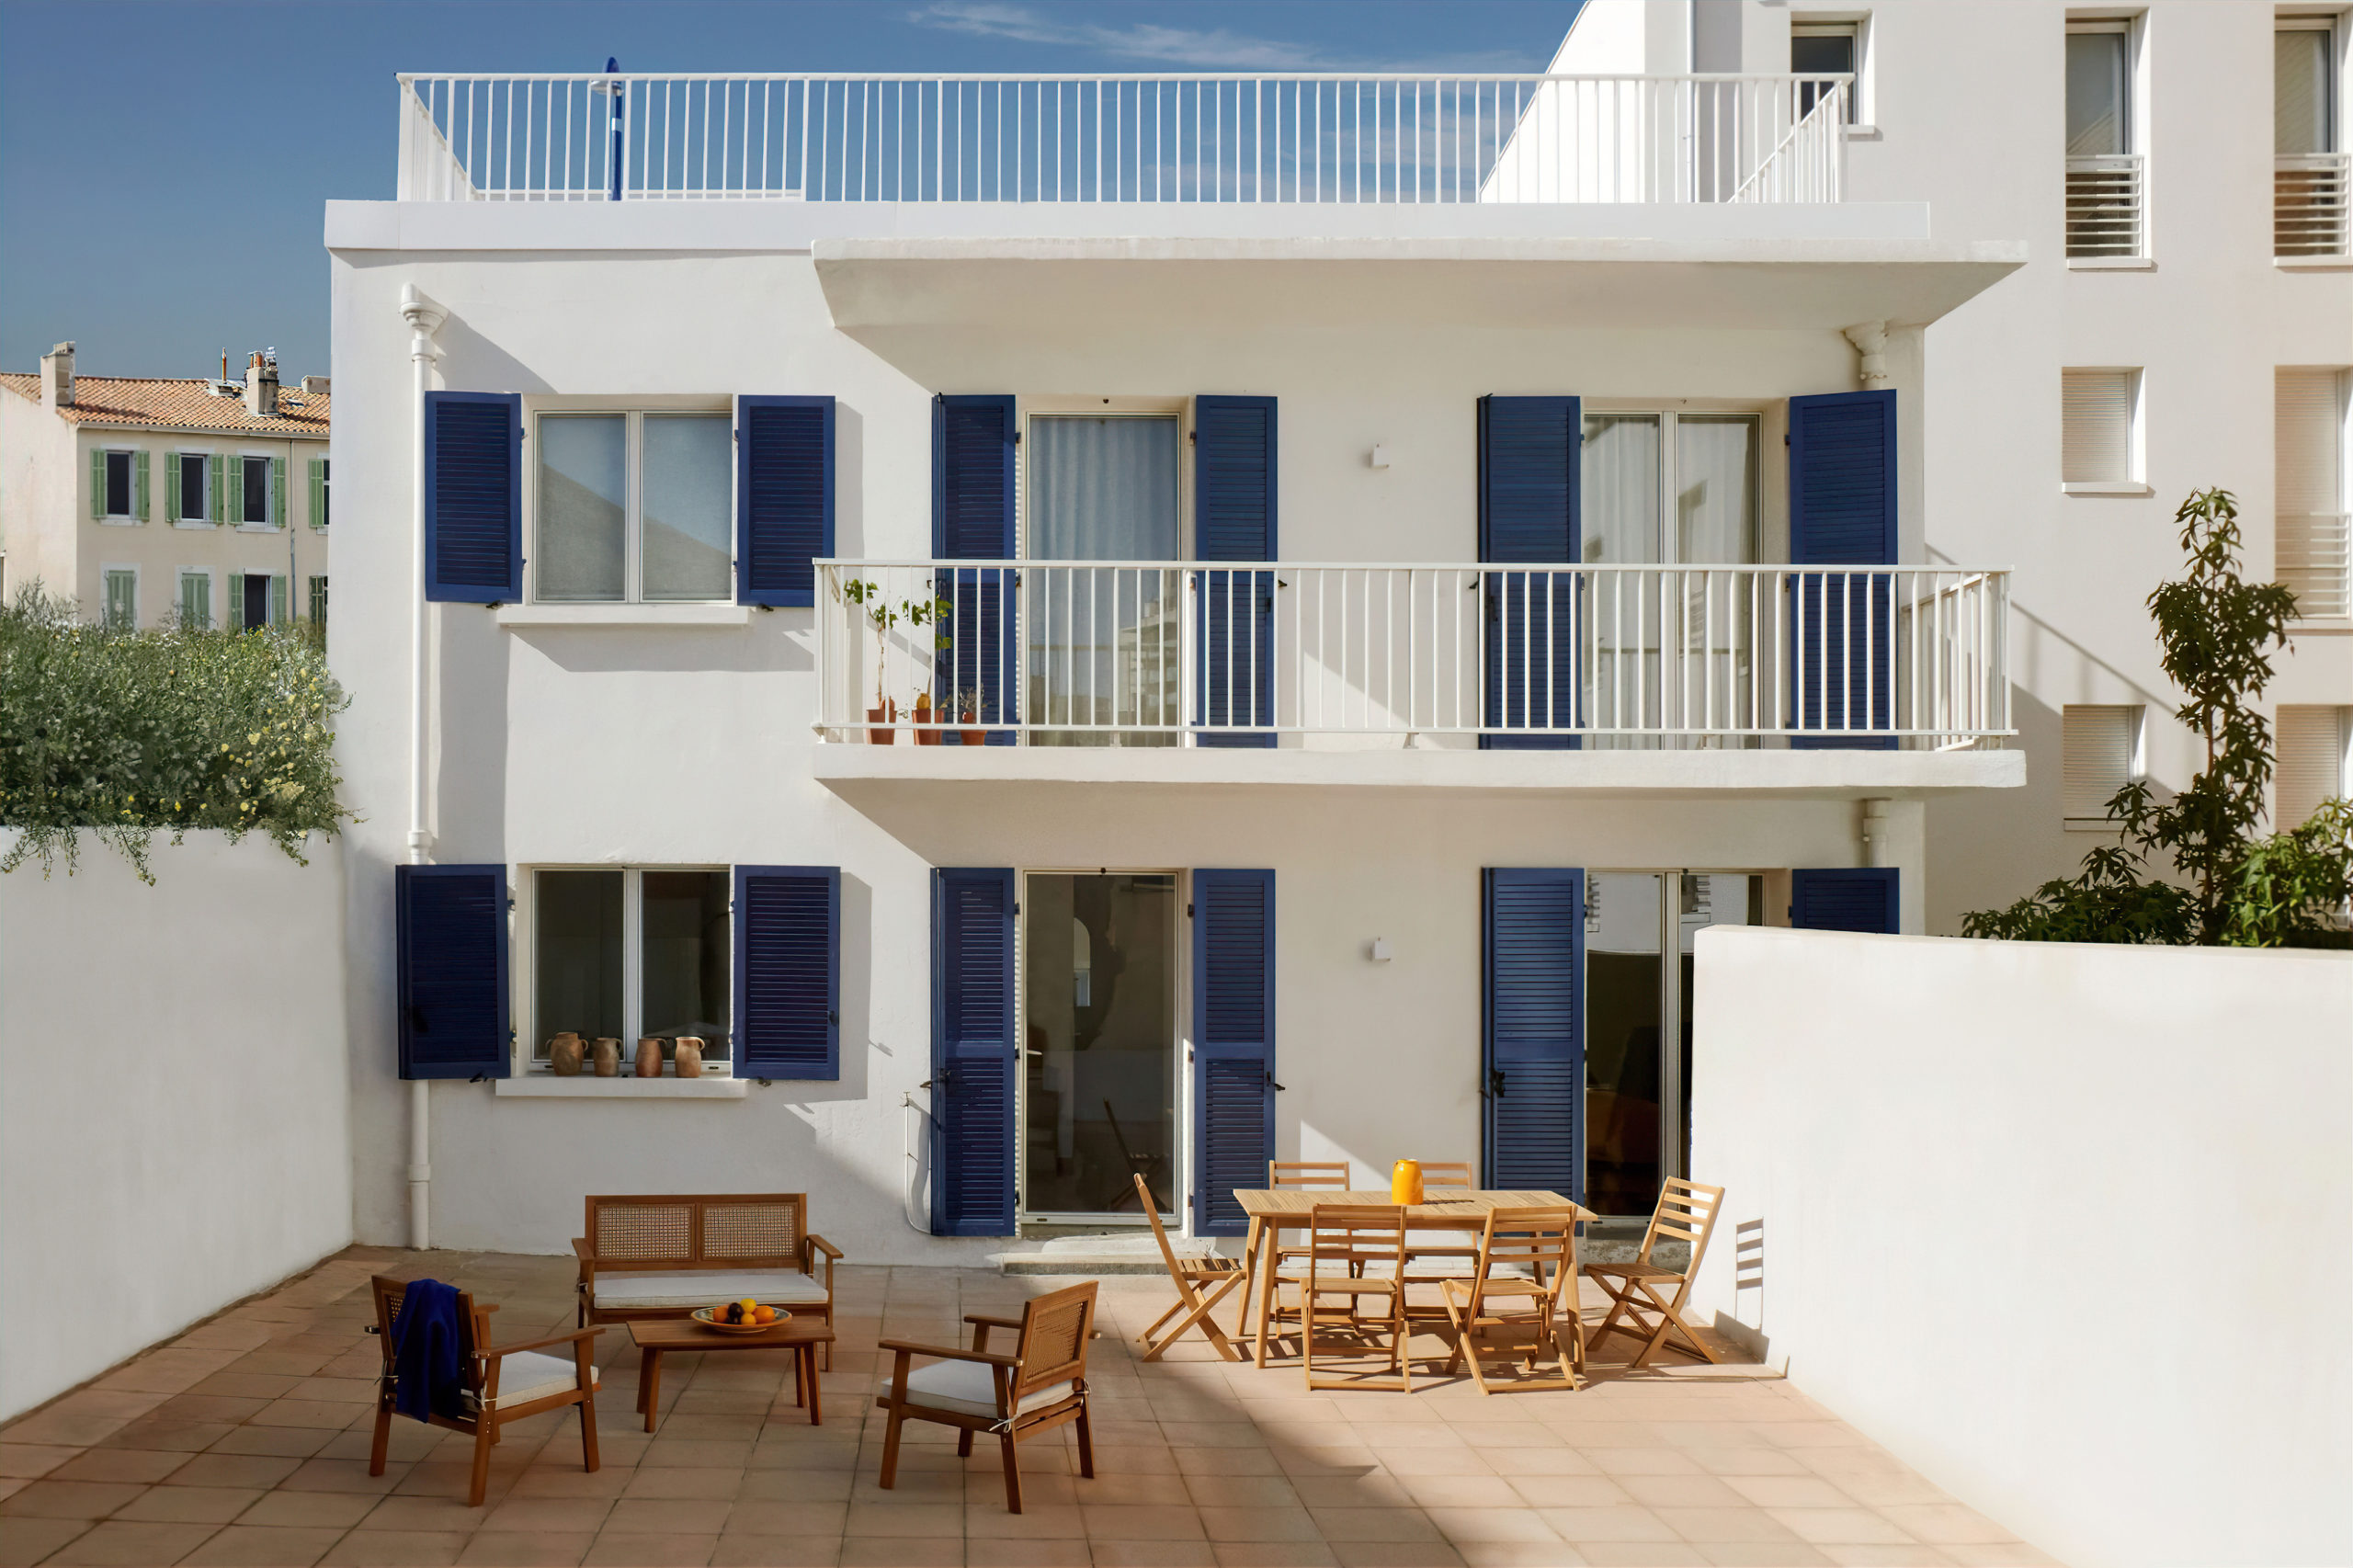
(688, 1056)
(607, 1054)
(564, 1054)
(649, 1056)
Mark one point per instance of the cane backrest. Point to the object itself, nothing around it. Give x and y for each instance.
(1685, 1212)
(474, 1327)
(1054, 1334)
(1447, 1174)
(1346, 1239)
(1329, 1176)
(743, 1230)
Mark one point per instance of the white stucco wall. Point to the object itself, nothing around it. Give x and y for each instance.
(2069, 1229)
(174, 1119)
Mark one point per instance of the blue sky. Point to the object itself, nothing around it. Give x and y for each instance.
(163, 165)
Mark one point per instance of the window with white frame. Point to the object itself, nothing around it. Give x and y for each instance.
(188, 480)
(121, 475)
(2310, 172)
(633, 506)
(252, 483)
(2100, 743)
(2104, 190)
(629, 954)
(121, 584)
(2099, 430)
(2315, 761)
(2315, 534)
(1828, 47)
(196, 598)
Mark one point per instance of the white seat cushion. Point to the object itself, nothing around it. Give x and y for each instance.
(969, 1388)
(784, 1286)
(528, 1375)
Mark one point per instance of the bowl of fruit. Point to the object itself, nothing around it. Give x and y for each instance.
(746, 1316)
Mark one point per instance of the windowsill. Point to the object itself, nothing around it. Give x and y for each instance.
(194, 523)
(2312, 263)
(256, 527)
(1862, 133)
(2112, 264)
(2103, 487)
(2094, 824)
(2322, 626)
(541, 1084)
(118, 522)
(678, 615)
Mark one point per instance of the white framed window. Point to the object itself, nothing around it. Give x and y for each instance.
(2310, 177)
(633, 506)
(2107, 185)
(2102, 747)
(120, 584)
(2310, 432)
(1671, 486)
(319, 601)
(256, 491)
(119, 486)
(2315, 761)
(628, 952)
(2101, 442)
(188, 488)
(1832, 45)
(196, 613)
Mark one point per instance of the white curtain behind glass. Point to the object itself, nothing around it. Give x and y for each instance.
(1102, 648)
(1103, 489)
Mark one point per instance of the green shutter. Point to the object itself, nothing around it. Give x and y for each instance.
(277, 493)
(121, 611)
(221, 487)
(277, 596)
(139, 485)
(99, 483)
(233, 589)
(171, 487)
(318, 492)
(196, 600)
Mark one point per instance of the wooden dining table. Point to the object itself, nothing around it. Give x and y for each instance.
(1273, 1211)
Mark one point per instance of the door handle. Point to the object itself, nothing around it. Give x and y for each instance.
(1496, 1081)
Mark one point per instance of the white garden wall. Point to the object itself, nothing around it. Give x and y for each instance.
(2069, 1229)
(174, 1117)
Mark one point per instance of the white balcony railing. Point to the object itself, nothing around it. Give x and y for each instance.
(1168, 653)
(2104, 205)
(2316, 559)
(2309, 193)
(1122, 138)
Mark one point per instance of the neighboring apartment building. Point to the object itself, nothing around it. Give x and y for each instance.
(1077, 630)
(153, 501)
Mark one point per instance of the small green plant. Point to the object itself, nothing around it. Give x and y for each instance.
(883, 614)
(934, 613)
(2215, 632)
(124, 734)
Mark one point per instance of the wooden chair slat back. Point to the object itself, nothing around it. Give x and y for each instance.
(1346, 1233)
(1331, 1176)
(1535, 1239)
(1055, 1333)
(1152, 1213)
(1447, 1174)
(1685, 1212)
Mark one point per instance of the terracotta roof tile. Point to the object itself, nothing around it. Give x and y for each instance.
(179, 404)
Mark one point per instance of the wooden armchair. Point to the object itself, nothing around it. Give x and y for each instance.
(1686, 1212)
(1496, 1297)
(1039, 1386)
(503, 1383)
(663, 1256)
(1200, 1285)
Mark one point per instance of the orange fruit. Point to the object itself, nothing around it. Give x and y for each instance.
(766, 1314)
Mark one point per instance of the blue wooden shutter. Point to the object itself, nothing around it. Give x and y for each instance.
(787, 971)
(1234, 1043)
(1534, 1012)
(450, 930)
(1530, 455)
(1842, 513)
(473, 498)
(1233, 520)
(1853, 899)
(972, 443)
(972, 1053)
(784, 497)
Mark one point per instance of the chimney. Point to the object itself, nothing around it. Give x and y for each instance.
(315, 384)
(261, 383)
(57, 377)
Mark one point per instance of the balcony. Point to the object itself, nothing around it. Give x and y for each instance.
(1785, 677)
(2309, 205)
(2104, 207)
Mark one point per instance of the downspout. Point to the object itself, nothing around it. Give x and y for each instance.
(424, 319)
(1875, 832)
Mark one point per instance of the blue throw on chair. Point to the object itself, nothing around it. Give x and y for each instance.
(429, 1378)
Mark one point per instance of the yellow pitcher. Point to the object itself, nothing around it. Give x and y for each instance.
(1405, 1182)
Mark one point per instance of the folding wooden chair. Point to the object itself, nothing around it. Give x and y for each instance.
(1200, 1285)
(1687, 1211)
(1041, 1385)
(1311, 1176)
(1542, 1242)
(1346, 1243)
(1442, 1176)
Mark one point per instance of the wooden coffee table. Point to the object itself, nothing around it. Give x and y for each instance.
(801, 1335)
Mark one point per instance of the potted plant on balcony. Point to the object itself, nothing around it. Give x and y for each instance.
(934, 613)
(968, 709)
(868, 596)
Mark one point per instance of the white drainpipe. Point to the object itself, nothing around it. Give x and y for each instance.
(1875, 832)
(424, 319)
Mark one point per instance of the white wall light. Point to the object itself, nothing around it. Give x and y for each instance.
(1380, 949)
(1379, 456)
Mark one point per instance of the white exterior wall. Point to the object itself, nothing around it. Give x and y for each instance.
(2066, 1228)
(176, 1129)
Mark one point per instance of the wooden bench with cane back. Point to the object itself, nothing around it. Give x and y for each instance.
(663, 1256)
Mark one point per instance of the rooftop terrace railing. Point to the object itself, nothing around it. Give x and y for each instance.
(1190, 138)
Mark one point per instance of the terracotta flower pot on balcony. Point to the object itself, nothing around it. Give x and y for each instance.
(877, 718)
(973, 737)
(925, 734)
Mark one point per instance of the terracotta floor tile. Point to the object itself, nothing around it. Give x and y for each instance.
(1277, 1523)
(184, 1436)
(123, 1541)
(1273, 1491)
(1940, 1523)
(1273, 1554)
(1143, 1522)
(1856, 1526)
(346, 1475)
(53, 1499)
(1396, 1554)
(1052, 1521)
(679, 1480)
(391, 1549)
(776, 1551)
(422, 1514)
(654, 1551)
(1461, 1492)
(888, 1552)
(1682, 1492)
(24, 1540)
(1464, 1460)
(144, 1466)
(191, 1504)
(1789, 1492)
(1998, 1555)
(1459, 1525)
(1640, 1553)
(1772, 1554)
(682, 1516)
(931, 1520)
(1624, 1522)
(264, 1546)
(1725, 1524)
(1748, 1461)
(548, 1515)
(33, 1459)
(1569, 1490)
(1889, 1556)
(1149, 1554)
(512, 1549)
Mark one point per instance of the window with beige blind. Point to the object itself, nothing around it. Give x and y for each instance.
(2309, 436)
(2102, 753)
(2099, 435)
(2315, 761)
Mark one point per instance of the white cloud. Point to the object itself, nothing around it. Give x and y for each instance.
(1217, 49)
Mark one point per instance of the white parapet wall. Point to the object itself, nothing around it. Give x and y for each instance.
(2069, 1229)
(175, 1110)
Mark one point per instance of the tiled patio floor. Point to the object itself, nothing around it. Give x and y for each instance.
(244, 1441)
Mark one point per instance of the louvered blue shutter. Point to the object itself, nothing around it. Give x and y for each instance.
(1534, 1013)
(1233, 520)
(784, 497)
(1234, 1043)
(787, 971)
(973, 1052)
(1842, 513)
(450, 925)
(1862, 898)
(1529, 457)
(971, 519)
(473, 498)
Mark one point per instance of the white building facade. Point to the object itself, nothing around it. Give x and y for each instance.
(1078, 631)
